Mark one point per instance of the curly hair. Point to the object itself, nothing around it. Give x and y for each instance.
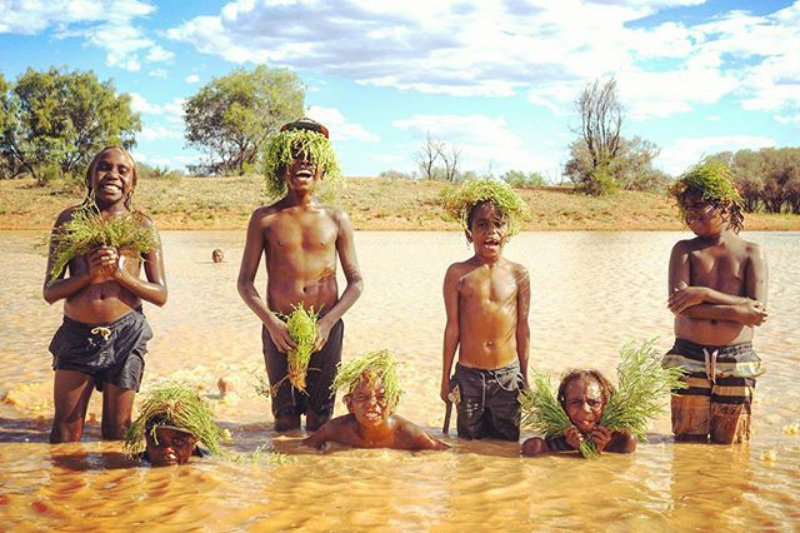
(572, 375)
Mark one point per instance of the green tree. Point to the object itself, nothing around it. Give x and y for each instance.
(57, 120)
(631, 169)
(231, 117)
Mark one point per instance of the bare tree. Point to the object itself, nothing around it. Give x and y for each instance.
(601, 121)
(427, 156)
(450, 160)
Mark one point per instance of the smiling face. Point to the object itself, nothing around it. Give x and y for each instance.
(367, 401)
(584, 403)
(302, 174)
(488, 230)
(112, 176)
(173, 446)
(704, 218)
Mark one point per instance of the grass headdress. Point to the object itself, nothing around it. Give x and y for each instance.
(174, 404)
(459, 202)
(377, 365)
(712, 179)
(306, 137)
(642, 385)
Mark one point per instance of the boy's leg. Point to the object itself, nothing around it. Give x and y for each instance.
(731, 402)
(71, 393)
(284, 405)
(470, 409)
(117, 410)
(321, 372)
(691, 410)
(503, 407)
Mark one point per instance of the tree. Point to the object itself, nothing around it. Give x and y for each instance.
(601, 126)
(232, 117)
(631, 169)
(450, 158)
(55, 121)
(427, 157)
(520, 180)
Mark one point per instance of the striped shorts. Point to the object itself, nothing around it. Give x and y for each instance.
(720, 381)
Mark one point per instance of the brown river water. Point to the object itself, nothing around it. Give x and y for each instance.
(592, 292)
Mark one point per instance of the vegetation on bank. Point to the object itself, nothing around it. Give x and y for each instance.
(184, 203)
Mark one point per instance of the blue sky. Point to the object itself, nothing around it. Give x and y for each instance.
(497, 79)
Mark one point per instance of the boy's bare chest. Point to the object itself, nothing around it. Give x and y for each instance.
(483, 288)
(718, 269)
(288, 235)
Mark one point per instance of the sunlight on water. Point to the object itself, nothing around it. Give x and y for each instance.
(592, 292)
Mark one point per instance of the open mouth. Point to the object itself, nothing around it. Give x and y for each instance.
(372, 416)
(110, 188)
(304, 174)
(491, 244)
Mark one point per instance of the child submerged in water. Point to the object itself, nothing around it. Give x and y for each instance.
(103, 339)
(372, 393)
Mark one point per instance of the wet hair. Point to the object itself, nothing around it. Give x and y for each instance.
(471, 215)
(93, 165)
(574, 375)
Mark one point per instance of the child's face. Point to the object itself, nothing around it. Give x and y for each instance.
(113, 177)
(174, 447)
(584, 404)
(301, 174)
(489, 230)
(368, 403)
(703, 217)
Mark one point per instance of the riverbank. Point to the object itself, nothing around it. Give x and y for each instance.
(193, 203)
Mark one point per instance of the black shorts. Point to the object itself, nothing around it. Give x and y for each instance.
(110, 353)
(489, 402)
(319, 398)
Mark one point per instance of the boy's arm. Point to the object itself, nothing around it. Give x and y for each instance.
(681, 295)
(523, 327)
(417, 438)
(251, 258)
(321, 436)
(54, 290)
(345, 246)
(757, 276)
(451, 330)
(154, 290)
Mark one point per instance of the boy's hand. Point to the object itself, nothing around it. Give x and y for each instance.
(324, 328)
(102, 263)
(753, 313)
(601, 436)
(683, 297)
(444, 392)
(280, 337)
(573, 437)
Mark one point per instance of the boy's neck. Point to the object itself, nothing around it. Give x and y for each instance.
(724, 235)
(300, 200)
(112, 208)
(487, 261)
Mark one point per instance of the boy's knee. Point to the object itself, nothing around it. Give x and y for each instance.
(66, 432)
(114, 431)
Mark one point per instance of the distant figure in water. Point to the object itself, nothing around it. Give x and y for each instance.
(373, 392)
(583, 395)
(718, 294)
(217, 256)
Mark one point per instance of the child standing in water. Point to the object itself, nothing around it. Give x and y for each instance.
(486, 298)
(300, 240)
(718, 293)
(104, 336)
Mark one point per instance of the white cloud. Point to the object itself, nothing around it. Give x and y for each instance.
(160, 133)
(687, 151)
(158, 73)
(340, 129)
(171, 162)
(795, 119)
(171, 111)
(713, 118)
(139, 104)
(157, 53)
(192, 78)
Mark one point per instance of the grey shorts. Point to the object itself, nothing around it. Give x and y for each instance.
(110, 353)
(489, 406)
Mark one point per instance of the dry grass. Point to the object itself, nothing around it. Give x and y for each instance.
(372, 203)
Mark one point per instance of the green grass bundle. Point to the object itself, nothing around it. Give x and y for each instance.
(302, 327)
(279, 153)
(178, 405)
(642, 385)
(712, 179)
(87, 230)
(379, 365)
(459, 201)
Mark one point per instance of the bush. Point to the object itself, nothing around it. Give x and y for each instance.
(397, 175)
(520, 180)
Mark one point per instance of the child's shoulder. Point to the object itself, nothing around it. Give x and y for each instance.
(517, 269)
(66, 215)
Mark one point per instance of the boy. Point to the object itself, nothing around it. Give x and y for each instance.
(487, 299)
(300, 240)
(104, 336)
(718, 293)
(373, 392)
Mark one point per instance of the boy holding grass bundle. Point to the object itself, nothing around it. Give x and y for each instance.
(104, 244)
(487, 298)
(300, 240)
(372, 392)
(718, 293)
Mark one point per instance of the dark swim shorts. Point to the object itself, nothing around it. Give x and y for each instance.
(489, 406)
(287, 400)
(110, 353)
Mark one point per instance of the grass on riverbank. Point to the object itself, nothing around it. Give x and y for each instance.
(185, 203)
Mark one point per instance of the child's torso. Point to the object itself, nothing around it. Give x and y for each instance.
(104, 301)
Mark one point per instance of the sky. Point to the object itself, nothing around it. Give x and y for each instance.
(494, 79)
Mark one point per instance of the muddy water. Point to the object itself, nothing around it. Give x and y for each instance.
(592, 292)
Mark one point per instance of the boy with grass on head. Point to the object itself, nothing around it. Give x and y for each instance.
(487, 299)
(372, 392)
(718, 294)
(104, 244)
(300, 240)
